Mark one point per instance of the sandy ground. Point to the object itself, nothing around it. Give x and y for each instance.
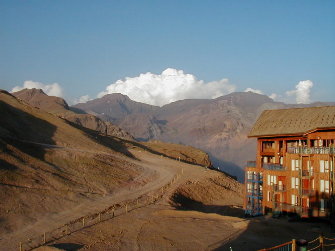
(159, 226)
(211, 225)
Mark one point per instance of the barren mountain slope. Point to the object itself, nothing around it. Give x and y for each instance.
(113, 107)
(48, 166)
(219, 126)
(71, 167)
(59, 107)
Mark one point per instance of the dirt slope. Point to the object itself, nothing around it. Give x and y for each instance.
(171, 224)
(36, 180)
(218, 126)
(52, 172)
(59, 107)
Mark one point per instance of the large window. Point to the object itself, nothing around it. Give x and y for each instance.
(295, 182)
(272, 179)
(294, 200)
(249, 187)
(295, 164)
(324, 186)
(324, 166)
(322, 205)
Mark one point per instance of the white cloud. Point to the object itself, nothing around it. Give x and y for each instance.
(171, 85)
(301, 92)
(53, 89)
(82, 99)
(274, 96)
(253, 90)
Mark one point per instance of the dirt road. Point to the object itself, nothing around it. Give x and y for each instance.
(159, 226)
(157, 172)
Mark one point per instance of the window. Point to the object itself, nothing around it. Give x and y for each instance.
(249, 188)
(272, 179)
(295, 164)
(324, 186)
(324, 166)
(265, 159)
(322, 205)
(269, 196)
(294, 182)
(294, 200)
(327, 186)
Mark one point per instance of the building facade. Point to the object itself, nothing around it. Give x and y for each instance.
(294, 166)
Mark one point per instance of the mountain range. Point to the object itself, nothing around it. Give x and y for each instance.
(218, 126)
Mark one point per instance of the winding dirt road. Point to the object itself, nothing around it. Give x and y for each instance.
(157, 172)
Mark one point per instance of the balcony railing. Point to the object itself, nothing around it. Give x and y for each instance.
(307, 173)
(251, 163)
(279, 188)
(307, 192)
(271, 166)
(254, 193)
(255, 178)
(311, 150)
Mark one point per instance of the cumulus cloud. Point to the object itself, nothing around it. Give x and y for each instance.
(274, 96)
(171, 85)
(253, 90)
(82, 99)
(301, 92)
(53, 89)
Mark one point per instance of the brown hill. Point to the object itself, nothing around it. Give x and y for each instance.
(113, 107)
(37, 98)
(59, 107)
(219, 126)
(47, 165)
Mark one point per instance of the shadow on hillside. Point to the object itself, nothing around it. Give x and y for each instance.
(150, 150)
(25, 128)
(4, 165)
(77, 110)
(182, 202)
(114, 143)
(230, 168)
(265, 232)
(68, 246)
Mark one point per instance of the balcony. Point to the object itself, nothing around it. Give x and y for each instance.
(307, 192)
(279, 188)
(275, 167)
(251, 163)
(307, 173)
(311, 150)
(255, 178)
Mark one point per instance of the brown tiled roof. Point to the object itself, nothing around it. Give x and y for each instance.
(295, 121)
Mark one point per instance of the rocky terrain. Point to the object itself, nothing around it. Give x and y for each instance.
(54, 172)
(219, 126)
(48, 165)
(59, 107)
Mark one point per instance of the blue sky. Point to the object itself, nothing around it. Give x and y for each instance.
(85, 46)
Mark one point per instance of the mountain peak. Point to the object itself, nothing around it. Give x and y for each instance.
(116, 96)
(38, 98)
(31, 92)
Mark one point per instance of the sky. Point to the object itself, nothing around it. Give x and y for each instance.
(161, 51)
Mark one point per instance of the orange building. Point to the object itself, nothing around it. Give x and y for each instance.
(294, 167)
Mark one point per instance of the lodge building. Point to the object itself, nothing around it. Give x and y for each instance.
(294, 167)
